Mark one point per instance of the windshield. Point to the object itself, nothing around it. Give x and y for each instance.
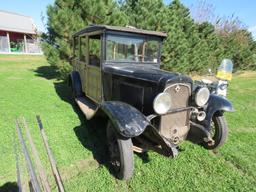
(132, 49)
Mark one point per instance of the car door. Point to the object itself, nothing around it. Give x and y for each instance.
(93, 68)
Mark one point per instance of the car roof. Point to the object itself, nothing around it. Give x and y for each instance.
(93, 28)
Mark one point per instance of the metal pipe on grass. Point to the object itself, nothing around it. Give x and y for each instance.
(33, 179)
(50, 156)
(17, 163)
(42, 173)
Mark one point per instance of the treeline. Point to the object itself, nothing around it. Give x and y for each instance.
(190, 46)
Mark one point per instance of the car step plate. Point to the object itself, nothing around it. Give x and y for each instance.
(86, 106)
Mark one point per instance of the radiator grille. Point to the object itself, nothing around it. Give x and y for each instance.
(175, 126)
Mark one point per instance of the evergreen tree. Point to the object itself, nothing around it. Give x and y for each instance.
(239, 46)
(189, 47)
(177, 46)
(65, 17)
(145, 14)
(209, 48)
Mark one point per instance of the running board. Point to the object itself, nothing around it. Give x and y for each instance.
(87, 106)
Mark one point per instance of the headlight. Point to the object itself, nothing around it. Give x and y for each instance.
(202, 96)
(162, 103)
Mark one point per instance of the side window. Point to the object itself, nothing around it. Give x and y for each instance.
(82, 49)
(151, 51)
(75, 47)
(94, 50)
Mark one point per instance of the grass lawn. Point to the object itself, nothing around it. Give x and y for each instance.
(28, 87)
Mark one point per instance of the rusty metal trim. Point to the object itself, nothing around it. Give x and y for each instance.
(175, 123)
(167, 87)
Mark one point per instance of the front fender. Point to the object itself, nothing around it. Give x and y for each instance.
(127, 120)
(216, 104)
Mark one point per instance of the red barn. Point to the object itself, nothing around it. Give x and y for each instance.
(18, 34)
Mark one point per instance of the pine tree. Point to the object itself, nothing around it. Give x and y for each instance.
(189, 47)
(240, 47)
(145, 14)
(179, 27)
(65, 17)
(207, 49)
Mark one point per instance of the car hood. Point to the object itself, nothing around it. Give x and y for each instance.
(146, 72)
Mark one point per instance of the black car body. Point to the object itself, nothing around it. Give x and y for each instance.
(116, 70)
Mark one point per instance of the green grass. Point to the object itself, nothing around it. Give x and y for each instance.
(28, 87)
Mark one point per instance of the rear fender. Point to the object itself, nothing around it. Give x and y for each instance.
(127, 120)
(75, 82)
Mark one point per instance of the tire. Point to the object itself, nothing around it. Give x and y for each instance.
(219, 132)
(120, 154)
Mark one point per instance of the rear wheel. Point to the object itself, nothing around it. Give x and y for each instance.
(219, 132)
(120, 153)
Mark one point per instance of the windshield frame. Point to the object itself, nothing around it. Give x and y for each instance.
(132, 35)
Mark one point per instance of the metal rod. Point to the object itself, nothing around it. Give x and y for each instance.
(34, 182)
(50, 156)
(42, 173)
(152, 116)
(17, 163)
(179, 110)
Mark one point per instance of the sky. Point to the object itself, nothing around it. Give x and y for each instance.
(244, 9)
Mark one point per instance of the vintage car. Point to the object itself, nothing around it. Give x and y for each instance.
(116, 72)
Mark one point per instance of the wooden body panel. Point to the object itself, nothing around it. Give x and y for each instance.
(93, 83)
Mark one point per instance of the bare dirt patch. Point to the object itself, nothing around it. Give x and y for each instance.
(14, 78)
(16, 58)
(246, 74)
(78, 167)
(245, 130)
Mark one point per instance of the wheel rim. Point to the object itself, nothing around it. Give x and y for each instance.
(218, 132)
(215, 134)
(213, 129)
(113, 148)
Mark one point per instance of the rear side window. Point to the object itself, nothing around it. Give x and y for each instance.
(82, 54)
(94, 50)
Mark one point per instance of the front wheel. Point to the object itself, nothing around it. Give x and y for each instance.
(120, 153)
(219, 132)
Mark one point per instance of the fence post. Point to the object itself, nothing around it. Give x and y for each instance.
(25, 43)
(8, 42)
